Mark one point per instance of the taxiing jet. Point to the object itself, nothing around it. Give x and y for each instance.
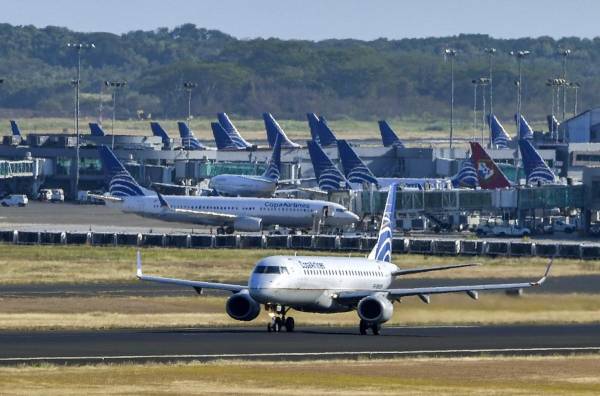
(274, 130)
(251, 186)
(331, 284)
(232, 132)
(389, 138)
(228, 214)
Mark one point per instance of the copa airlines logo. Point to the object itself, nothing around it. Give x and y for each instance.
(191, 142)
(360, 174)
(123, 185)
(330, 179)
(540, 174)
(383, 250)
(484, 170)
(272, 172)
(500, 142)
(237, 140)
(467, 176)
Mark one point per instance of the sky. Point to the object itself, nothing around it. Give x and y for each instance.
(318, 19)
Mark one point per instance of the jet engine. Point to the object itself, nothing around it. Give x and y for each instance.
(249, 224)
(241, 306)
(375, 309)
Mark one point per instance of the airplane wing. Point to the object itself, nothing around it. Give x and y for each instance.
(198, 286)
(105, 198)
(410, 271)
(424, 292)
(192, 213)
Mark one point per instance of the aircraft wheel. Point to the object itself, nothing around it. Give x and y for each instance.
(277, 325)
(220, 231)
(362, 327)
(289, 324)
(376, 327)
(229, 230)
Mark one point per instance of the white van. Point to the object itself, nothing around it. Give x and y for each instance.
(14, 200)
(58, 195)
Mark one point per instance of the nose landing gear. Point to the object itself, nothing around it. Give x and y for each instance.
(279, 320)
(364, 326)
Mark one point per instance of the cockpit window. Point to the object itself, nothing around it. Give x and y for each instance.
(270, 269)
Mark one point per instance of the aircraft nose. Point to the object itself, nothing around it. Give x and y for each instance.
(353, 216)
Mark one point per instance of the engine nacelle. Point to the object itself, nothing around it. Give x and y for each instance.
(375, 309)
(241, 306)
(249, 224)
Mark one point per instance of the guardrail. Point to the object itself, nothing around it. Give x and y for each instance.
(438, 247)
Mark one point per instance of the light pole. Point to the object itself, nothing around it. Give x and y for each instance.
(115, 86)
(552, 83)
(564, 53)
(483, 82)
(575, 86)
(519, 55)
(491, 52)
(189, 87)
(451, 53)
(475, 83)
(78, 47)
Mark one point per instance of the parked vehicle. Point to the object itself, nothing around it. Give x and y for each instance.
(14, 200)
(502, 230)
(58, 195)
(44, 194)
(557, 225)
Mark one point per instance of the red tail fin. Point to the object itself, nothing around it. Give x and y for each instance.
(488, 174)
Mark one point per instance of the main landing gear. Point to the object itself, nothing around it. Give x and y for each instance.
(364, 326)
(278, 319)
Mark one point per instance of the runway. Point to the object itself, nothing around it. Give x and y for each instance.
(78, 347)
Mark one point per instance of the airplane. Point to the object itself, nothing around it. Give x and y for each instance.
(328, 176)
(222, 139)
(331, 284)
(274, 130)
(500, 139)
(188, 140)
(96, 129)
(356, 171)
(389, 138)
(536, 170)
(232, 131)
(228, 214)
(489, 175)
(16, 131)
(320, 131)
(524, 129)
(250, 186)
(158, 130)
(313, 125)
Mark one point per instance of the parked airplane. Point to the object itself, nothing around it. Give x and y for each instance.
(313, 125)
(524, 129)
(232, 131)
(228, 214)
(251, 186)
(158, 130)
(328, 176)
(188, 139)
(274, 130)
(488, 174)
(536, 170)
(331, 284)
(389, 138)
(321, 130)
(356, 171)
(500, 139)
(222, 138)
(16, 131)
(96, 129)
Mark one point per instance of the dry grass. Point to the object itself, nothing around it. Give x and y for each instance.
(572, 375)
(200, 311)
(85, 264)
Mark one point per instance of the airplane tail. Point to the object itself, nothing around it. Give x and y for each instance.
(488, 174)
(466, 176)
(326, 135)
(232, 131)
(120, 181)
(313, 124)
(388, 136)
(96, 129)
(188, 139)
(273, 171)
(222, 139)
(355, 169)
(16, 131)
(382, 251)
(525, 131)
(274, 130)
(158, 130)
(328, 176)
(500, 139)
(536, 170)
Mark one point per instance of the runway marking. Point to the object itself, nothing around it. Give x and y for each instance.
(303, 354)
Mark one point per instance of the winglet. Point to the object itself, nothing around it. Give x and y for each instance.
(543, 278)
(139, 264)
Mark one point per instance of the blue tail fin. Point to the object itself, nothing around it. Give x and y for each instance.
(525, 131)
(273, 171)
(326, 135)
(466, 176)
(536, 170)
(15, 128)
(389, 138)
(96, 130)
(120, 181)
(328, 176)
(232, 131)
(382, 251)
(355, 169)
(222, 139)
(158, 130)
(313, 124)
(188, 140)
(274, 130)
(500, 139)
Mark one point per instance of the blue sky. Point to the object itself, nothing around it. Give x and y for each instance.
(318, 19)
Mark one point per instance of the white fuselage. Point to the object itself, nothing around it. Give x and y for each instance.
(243, 186)
(273, 211)
(311, 284)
